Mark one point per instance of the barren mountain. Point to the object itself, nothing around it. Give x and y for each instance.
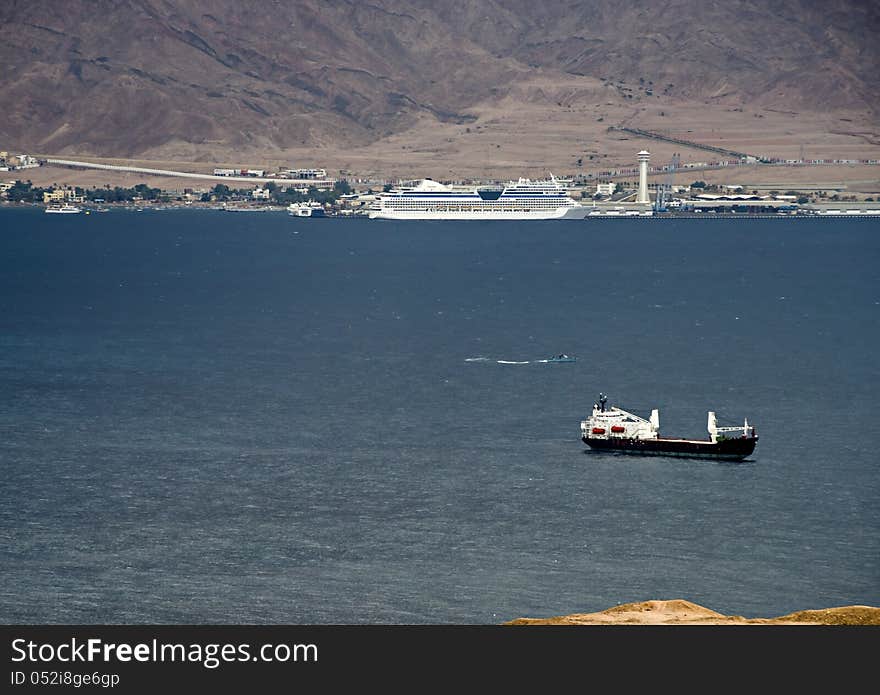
(216, 79)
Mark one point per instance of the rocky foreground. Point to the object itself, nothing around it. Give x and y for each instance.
(680, 612)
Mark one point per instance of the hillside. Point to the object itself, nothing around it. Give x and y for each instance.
(454, 85)
(680, 612)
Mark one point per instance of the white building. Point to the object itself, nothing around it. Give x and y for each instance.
(303, 173)
(62, 195)
(261, 194)
(22, 161)
(606, 188)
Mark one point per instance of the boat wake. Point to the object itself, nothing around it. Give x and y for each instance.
(560, 358)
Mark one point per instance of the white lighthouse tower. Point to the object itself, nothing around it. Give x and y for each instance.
(642, 197)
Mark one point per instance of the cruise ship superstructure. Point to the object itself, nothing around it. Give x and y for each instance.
(524, 199)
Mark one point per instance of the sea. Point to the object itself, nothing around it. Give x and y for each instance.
(210, 417)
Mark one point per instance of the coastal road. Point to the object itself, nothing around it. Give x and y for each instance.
(167, 172)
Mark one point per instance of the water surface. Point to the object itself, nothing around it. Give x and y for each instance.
(252, 418)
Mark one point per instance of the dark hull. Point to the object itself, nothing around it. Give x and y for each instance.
(727, 449)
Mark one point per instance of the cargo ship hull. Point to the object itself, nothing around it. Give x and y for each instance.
(735, 449)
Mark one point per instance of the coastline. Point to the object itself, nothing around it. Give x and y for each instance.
(356, 198)
(150, 206)
(99, 187)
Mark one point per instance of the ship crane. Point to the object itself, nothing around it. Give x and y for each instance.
(715, 430)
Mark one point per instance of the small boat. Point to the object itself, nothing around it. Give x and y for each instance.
(65, 209)
(613, 429)
(562, 358)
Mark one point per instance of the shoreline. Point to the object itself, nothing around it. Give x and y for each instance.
(146, 206)
(356, 199)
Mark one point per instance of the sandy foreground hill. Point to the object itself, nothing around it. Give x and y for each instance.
(681, 612)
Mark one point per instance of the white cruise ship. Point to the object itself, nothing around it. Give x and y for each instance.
(518, 200)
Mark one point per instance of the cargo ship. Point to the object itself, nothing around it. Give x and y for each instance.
(610, 428)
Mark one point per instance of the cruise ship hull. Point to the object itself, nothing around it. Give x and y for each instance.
(518, 200)
(564, 213)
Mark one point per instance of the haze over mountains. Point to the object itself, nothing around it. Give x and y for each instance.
(220, 78)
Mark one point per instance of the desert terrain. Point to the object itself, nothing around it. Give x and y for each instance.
(518, 136)
(470, 89)
(681, 612)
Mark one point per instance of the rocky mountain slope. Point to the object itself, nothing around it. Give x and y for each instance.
(202, 79)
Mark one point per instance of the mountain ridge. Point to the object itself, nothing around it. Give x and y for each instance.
(214, 79)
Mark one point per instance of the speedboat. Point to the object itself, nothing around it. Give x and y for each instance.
(562, 358)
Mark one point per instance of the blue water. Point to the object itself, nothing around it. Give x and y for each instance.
(249, 418)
